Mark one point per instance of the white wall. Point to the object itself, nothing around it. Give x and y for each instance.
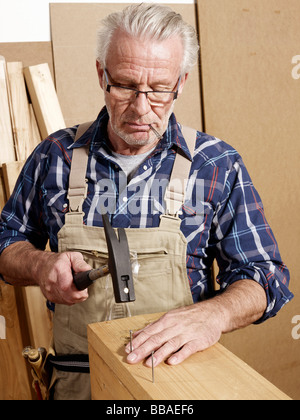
(28, 20)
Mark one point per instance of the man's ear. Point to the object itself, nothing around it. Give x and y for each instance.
(182, 83)
(100, 73)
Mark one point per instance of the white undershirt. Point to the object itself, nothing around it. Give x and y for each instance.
(130, 163)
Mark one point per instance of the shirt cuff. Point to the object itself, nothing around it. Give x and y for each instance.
(274, 284)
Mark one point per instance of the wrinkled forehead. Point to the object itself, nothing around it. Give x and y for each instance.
(132, 53)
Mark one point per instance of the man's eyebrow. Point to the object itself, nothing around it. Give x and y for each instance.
(123, 80)
(127, 80)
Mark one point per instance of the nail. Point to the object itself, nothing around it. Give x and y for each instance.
(152, 361)
(130, 341)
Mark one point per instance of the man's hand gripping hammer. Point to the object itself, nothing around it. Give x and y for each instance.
(119, 266)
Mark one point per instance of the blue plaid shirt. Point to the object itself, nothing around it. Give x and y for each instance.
(222, 216)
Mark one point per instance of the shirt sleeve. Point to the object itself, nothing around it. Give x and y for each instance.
(21, 216)
(246, 246)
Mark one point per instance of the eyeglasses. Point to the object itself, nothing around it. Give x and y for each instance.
(155, 97)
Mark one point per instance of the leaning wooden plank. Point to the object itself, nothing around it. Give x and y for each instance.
(7, 151)
(11, 172)
(20, 115)
(15, 379)
(44, 99)
(39, 317)
(34, 127)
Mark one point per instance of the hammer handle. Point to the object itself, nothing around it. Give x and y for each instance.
(84, 279)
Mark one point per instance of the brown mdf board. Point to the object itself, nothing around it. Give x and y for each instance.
(7, 151)
(252, 101)
(73, 28)
(214, 374)
(44, 99)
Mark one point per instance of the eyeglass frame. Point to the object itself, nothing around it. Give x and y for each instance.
(137, 91)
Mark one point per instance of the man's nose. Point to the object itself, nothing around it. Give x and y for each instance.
(141, 103)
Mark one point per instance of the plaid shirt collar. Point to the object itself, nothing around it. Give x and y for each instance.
(97, 136)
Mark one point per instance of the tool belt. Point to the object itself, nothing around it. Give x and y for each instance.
(71, 363)
(42, 364)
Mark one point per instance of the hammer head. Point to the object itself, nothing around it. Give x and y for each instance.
(119, 263)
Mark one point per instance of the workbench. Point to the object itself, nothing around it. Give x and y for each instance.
(213, 374)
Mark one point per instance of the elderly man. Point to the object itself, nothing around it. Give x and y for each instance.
(130, 152)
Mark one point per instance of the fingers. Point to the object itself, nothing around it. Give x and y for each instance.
(186, 351)
(63, 291)
(163, 344)
(174, 337)
(158, 337)
(70, 295)
(78, 262)
(57, 278)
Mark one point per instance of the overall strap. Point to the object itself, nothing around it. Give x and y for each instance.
(77, 184)
(175, 191)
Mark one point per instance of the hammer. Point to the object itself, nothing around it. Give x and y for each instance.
(119, 266)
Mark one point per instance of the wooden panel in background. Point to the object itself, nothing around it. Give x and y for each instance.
(212, 374)
(73, 28)
(252, 101)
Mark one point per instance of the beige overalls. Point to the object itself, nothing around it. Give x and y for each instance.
(161, 282)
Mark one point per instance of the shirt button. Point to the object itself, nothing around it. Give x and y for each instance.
(145, 167)
(125, 199)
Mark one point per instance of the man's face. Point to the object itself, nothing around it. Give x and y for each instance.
(143, 65)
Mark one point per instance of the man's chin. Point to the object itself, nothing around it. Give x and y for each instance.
(137, 138)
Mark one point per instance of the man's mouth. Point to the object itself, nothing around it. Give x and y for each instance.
(138, 127)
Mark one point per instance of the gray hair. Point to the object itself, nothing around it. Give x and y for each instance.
(150, 21)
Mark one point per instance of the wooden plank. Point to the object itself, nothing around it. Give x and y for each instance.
(34, 126)
(20, 113)
(104, 381)
(11, 172)
(19, 109)
(15, 379)
(215, 373)
(44, 99)
(39, 317)
(7, 151)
